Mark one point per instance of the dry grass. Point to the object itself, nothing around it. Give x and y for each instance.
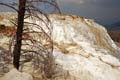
(1, 18)
(7, 30)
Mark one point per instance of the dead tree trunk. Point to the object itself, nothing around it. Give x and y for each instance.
(18, 43)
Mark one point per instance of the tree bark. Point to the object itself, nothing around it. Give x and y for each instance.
(18, 43)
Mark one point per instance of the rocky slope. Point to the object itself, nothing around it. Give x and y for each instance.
(82, 49)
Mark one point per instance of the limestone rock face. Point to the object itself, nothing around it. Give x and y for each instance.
(76, 31)
(82, 49)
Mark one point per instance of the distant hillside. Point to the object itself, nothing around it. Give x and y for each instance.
(114, 27)
(115, 35)
(116, 24)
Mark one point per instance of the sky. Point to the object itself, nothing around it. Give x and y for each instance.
(105, 12)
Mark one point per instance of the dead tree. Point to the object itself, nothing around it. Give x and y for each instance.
(18, 44)
(30, 9)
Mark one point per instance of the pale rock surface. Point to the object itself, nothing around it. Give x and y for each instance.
(110, 60)
(83, 49)
(16, 75)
